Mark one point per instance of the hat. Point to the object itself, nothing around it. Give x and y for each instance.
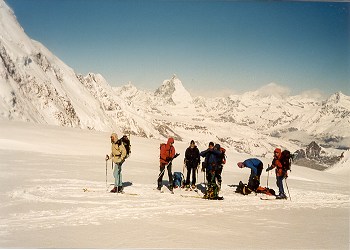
(240, 164)
(114, 135)
(277, 150)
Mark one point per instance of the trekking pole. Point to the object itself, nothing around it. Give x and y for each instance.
(162, 172)
(183, 169)
(106, 178)
(268, 175)
(197, 172)
(288, 189)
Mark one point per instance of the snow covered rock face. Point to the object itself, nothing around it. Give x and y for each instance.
(174, 92)
(36, 86)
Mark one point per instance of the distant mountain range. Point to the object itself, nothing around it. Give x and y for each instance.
(36, 86)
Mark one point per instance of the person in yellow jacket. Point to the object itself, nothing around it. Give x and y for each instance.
(118, 156)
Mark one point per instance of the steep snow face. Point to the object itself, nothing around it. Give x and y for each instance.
(174, 92)
(38, 87)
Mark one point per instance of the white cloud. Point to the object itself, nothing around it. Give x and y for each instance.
(314, 94)
(274, 89)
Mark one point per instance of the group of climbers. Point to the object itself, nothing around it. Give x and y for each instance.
(212, 166)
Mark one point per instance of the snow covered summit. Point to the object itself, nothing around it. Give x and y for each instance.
(174, 92)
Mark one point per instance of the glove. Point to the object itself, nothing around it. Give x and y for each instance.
(107, 157)
(268, 169)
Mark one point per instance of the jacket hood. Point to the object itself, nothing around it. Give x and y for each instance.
(170, 140)
(114, 135)
(277, 150)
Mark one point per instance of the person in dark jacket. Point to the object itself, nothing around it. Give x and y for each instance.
(256, 167)
(218, 170)
(192, 161)
(211, 164)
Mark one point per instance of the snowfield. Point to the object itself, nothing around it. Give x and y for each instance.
(53, 195)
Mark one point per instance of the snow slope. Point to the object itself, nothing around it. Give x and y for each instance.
(44, 169)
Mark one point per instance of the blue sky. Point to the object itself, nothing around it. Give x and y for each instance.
(210, 45)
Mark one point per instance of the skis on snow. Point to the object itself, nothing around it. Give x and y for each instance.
(87, 190)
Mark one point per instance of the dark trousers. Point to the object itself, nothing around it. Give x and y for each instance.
(188, 177)
(280, 184)
(254, 180)
(162, 171)
(218, 173)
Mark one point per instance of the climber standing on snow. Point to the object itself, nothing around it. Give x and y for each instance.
(280, 173)
(210, 163)
(167, 153)
(191, 161)
(118, 156)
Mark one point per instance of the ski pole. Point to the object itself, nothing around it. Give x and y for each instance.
(162, 172)
(183, 170)
(118, 178)
(106, 178)
(288, 189)
(268, 175)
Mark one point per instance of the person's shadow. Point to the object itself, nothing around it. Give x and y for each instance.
(127, 184)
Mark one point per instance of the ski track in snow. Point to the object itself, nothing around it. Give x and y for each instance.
(97, 206)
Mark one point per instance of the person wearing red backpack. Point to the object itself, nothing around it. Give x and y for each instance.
(167, 153)
(280, 173)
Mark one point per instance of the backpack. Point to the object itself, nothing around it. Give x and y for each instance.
(222, 157)
(212, 192)
(243, 189)
(178, 179)
(125, 140)
(162, 145)
(286, 160)
(165, 154)
(265, 190)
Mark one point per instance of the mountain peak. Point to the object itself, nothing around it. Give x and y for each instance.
(174, 92)
(338, 99)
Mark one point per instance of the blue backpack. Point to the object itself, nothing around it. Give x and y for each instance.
(178, 177)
